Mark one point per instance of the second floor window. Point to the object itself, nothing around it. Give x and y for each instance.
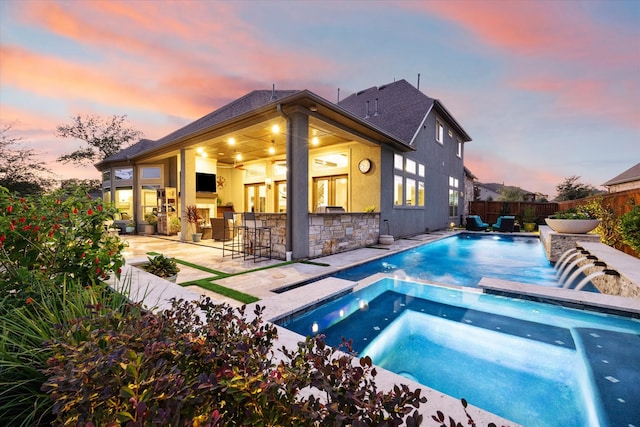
(439, 131)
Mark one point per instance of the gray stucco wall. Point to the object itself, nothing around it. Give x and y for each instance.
(440, 162)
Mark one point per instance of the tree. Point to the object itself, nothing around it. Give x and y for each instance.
(572, 189)
(20, 171)
(104, 137)
(87, 185)
(511, 194)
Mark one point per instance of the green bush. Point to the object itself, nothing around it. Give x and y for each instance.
(53, 251)
(630, 226)
(53, 239)
(205, 364)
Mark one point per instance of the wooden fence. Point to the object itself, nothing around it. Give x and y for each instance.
(620, 202)
(490, 211)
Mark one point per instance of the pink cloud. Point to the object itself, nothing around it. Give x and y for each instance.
(556, 29)
(614, 101)
(494, 169)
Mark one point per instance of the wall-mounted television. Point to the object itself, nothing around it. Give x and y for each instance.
(205, 182)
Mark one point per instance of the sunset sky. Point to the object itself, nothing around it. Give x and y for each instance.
(546, 89)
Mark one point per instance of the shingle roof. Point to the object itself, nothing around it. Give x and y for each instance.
(631, 174)
(125, 153)
(250, 101)
(401, 108)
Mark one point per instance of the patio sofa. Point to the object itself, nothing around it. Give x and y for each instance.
(474, 223)
(505, 223)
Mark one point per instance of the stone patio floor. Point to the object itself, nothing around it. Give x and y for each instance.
(155, 293)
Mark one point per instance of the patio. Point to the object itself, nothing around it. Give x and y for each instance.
(254, 279)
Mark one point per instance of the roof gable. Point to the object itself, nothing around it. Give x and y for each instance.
(631, 174)
(249, 102)
(398, 108)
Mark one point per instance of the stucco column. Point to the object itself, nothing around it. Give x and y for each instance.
(187, 188)
(297, 239)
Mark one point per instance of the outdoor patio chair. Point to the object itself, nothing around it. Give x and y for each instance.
(257, 238)
(474, 223)
(505, 223)
(232, 235)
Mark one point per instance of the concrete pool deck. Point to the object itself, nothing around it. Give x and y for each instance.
(253, 279)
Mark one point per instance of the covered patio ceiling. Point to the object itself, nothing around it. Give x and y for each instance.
(263, 140)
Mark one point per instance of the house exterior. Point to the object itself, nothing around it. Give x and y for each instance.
(324, 176)
(627, 180)
(489, 192)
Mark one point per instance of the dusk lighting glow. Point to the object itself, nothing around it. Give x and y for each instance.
(539, 86)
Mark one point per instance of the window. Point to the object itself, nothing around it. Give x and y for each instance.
(410, 166)
(397, 161)
(439, 132)
(281, 196)
(124, 174)
(124, 202)
(330, 191)
(397, 190)
(255, 197)
(410, 196)
(420, 169)
(459, 148)
(453, 196)
(149, 199)
(420, 193)
(453, 202)
(450, 133)
(153, 172)
(106, 176)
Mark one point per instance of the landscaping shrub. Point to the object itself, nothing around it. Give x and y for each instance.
(630, 226)
(53, 239)
(53, 251)
(609, 227)
(201, 364)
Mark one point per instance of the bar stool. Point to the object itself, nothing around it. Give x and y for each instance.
(229, 228)
(257, 238)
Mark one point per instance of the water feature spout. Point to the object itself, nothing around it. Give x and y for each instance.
(561, 261)
(605, 272)
(581, 269)
(563, 278)
(560, 266)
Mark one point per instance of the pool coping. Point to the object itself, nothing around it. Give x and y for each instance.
(623, 306)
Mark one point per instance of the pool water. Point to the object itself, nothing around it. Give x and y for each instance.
(534, 363)
(465, 258)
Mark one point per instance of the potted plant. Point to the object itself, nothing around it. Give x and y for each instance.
(529, 219)
(572, 221)
(174, 225)
(193, 218)
(130, 227)
(152, 221)
(161, 266)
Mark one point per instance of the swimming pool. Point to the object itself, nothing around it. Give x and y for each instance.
(465, 258)
(533, 363)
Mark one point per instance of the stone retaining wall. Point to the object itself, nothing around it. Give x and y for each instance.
(555, 244)
(623, 278)
(329, 233)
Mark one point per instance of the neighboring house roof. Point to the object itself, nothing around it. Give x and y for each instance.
(398, 108)
(469, 174)
(631, 174)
